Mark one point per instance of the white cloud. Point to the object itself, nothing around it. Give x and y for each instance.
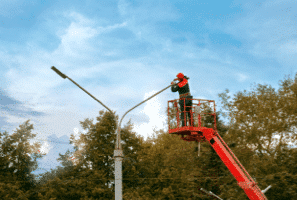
(78, 18)
(112, 27)
(65, 104)
(29, 82)
(76, 40)
(14, 119)
(153, 110)
(76, 133)
(44, 91)
(45, 148)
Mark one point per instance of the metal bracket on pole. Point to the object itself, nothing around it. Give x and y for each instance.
(210, 193)
(265, 190)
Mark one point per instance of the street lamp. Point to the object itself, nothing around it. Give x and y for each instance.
(64, 76)
(118, 152)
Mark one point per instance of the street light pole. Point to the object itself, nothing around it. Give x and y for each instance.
(64, 76)
(118, 152)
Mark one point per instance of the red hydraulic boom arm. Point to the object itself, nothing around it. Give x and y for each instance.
(197, 132)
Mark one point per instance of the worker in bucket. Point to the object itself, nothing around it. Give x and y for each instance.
(184, 96)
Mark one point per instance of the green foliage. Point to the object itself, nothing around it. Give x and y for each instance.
(16, 164)
(88, 178)
(11, 190)
(256, 117)
(77, 185)
(92, 174)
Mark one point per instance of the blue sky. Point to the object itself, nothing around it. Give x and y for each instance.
(123, 51)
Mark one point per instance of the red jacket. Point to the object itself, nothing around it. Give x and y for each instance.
(182, 87)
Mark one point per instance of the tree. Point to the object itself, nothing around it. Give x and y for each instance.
(256, 117)
(284, 178)
(261, 114)
(132, 145)
(18, 161)
(91, 174)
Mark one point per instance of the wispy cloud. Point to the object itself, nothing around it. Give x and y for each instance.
(156, 117)
(268, 29)
(125, 50)
(45, 148)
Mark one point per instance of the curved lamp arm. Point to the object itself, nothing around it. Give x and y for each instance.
(118, 143)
